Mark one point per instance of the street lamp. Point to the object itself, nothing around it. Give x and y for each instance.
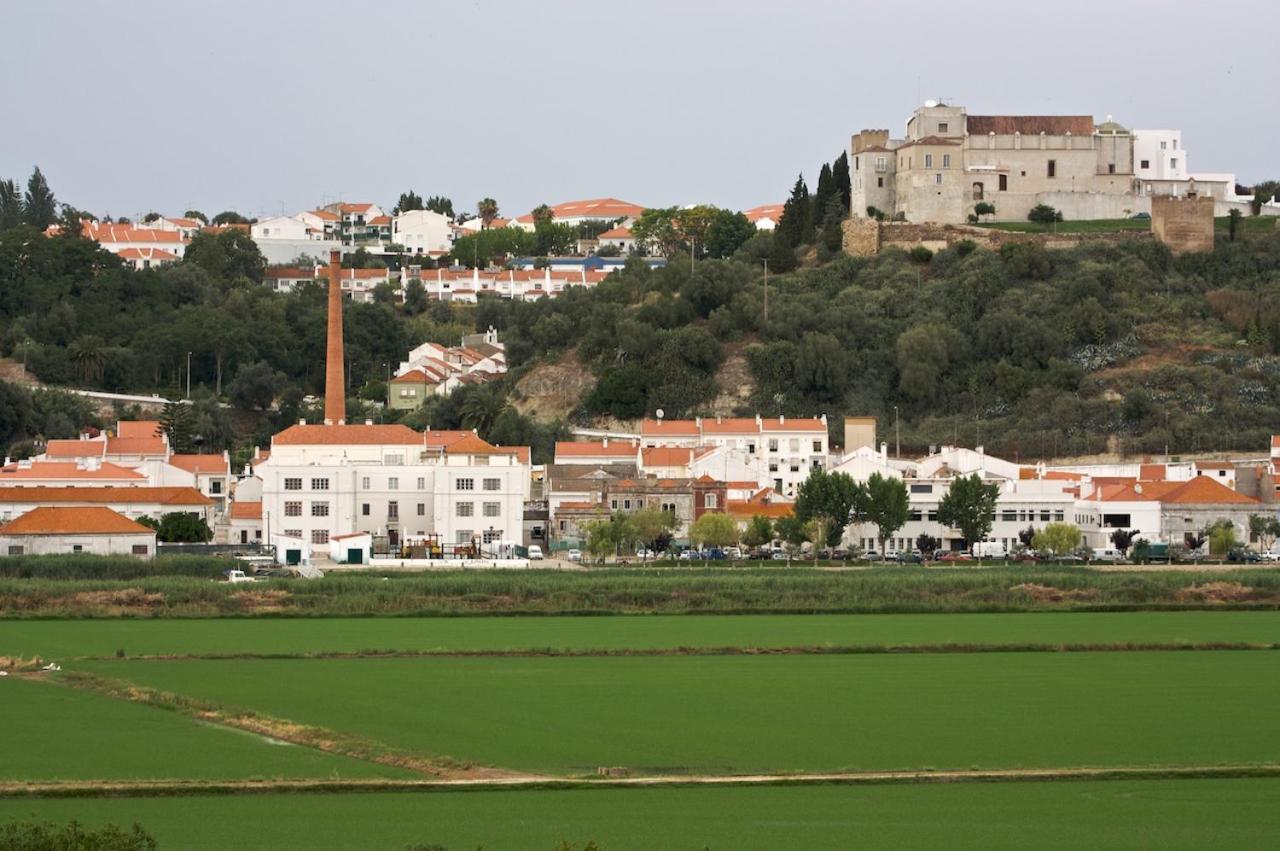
(897, 435)
(188, 375)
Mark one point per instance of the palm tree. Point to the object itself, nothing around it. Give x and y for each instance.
(482, 409)
(542, 213)
(88, 356)
(488, 210)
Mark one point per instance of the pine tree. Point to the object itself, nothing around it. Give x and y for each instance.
(782, 256)
(39, 208)
(177, 421)
(796, 225)
(10, 205)
(843, 180)
(832, 235)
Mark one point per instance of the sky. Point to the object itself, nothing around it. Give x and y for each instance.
(276, 106)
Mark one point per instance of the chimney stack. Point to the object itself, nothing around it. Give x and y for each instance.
(335, 397)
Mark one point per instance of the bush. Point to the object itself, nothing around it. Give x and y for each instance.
(1043, 214)
(111, 567)
(73, 836)
(920, 254)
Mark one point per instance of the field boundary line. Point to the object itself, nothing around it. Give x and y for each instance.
(306, 735)
(173, 788)
(729, 650)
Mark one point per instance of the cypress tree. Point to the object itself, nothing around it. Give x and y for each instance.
(39, 208)
(825, 192)
(797, 215)
(832, 234)
(843, 180)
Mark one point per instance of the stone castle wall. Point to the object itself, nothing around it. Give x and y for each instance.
(1183, 224)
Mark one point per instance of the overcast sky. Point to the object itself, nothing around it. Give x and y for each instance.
(268, 106)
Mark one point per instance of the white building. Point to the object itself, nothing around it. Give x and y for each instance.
(765, 217)
(121, 238)
(91, 530)
(283, 227)
(395, 483)
(422, 232)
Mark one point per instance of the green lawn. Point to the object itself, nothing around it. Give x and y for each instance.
(64, 639)
(56, 733)
(1168, 814)
(743, 714)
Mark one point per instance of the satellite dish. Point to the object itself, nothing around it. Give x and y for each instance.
(659, 412)
(930, 104)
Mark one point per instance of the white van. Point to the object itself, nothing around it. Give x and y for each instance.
(535, 552)
(990, 549)
(1107, 554)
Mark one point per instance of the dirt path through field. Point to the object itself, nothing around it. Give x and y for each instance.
(516, 782)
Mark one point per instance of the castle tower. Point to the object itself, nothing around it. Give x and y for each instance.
(335, 397)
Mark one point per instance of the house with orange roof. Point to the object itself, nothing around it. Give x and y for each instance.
(147, 258)
(210, 473)
(360, 223)
(132, 502)
(287, 279)
(1168, 511)
(245, 522)
(119, 238)
(188, 227)
(620, 238)
(88, 471)
(596, 452)
(764, 217)
(95, 530)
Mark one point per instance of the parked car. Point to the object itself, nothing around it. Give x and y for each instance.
(237, 576)
(535, 553)
(909, 558)
(777, 553)
(1242, 555)
(871, 555)
(734, 553)
(1106, 554)
(715, 553)
(689, 555)
(834, 554)
(574, 555)
(1140, 216)
(990, 549)
(1271, 555)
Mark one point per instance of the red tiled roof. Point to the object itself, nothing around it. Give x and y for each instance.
(1052, 125)
(1215, 465)
(201, 463)
(147, 254)
(183, 222)
(287, 272)
(353, 435)
(731, 425)
(593, 449)
(1200, 490)
(794, 424)
(380, 220)
(748, 508)
(472, 444)
(68, 470)
(683, 428)
(616, 233)
(600, 208)
(524, 454)
(92, 520)
(666, 456)
(105, 233)
(444, 437)
(163, 496)
(136, 446)
(764, 211)
(246, 511)
(138, 428)
(1151, 472)
(75, 448)
(324, 214)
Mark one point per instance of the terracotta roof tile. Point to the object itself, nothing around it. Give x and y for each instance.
(162, 495)
(138, 428)
(69, 470)
(246, 511)
(75, 448)
(593, 449)
(354, 435)
(685, 428)
(92, 520)
(136, 446)
(1052, 125)
(201, 463)
(666, 456)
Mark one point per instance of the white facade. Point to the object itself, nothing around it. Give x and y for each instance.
(422, 232)
(394, 486)
(280, 227)
(1159, 155)
(141, 544)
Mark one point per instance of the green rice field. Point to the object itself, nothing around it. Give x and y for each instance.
(743, 714)
(1165, 814)
(58, 639)
(56, 733)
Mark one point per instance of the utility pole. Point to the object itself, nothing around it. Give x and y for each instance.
(188, 375)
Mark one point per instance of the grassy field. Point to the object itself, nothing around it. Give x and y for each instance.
(627, 590)
(56, 733)
(63, 639)
(1079, 226)
(732, 714)
(1171, 814)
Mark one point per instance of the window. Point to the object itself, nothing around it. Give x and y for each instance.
(794, 443)
(393, 483)
(465, 484)
(1059, 516)
(493, 484)
(293, 484)
(937, 179)
(817, 446)
(928, 160)
(319, 509)
(626, 504)
(946, 160)
(364, 482)
(15, 549)
(773, 466)
(881, 163)
(977, 191)
(669, 507)
(1053, 168)
(293, 509)
(1008, 515)
(293, 533)
(491, 536)
(709, 500)
(1173, 163)
(1004, 183)
(215, 486)
(856, 163)
(463, 536)
(942, 127)
(422, 483)
(393, 460)
(138, 550)
(932, 516)
(319, 484)
(364, 510)
(1144, 164)
(492, 509)
(1164, 146)
(613, 503)
(922, 488)
(319, 536)
(880, 182)
(1044, 516)
(465, 509)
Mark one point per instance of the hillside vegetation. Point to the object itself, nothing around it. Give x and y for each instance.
(1027, 351)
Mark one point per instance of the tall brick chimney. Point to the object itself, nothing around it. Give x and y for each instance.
(335, 397)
